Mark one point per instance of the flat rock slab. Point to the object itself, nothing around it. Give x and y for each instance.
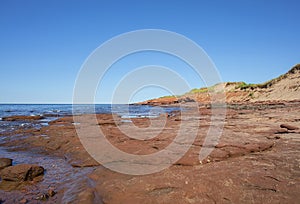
(22, 117)
(256, 159)
(21, 172)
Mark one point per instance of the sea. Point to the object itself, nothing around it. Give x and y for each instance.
(52, 112)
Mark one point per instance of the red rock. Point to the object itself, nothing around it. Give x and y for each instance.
(51, 192)
(289, 127)
(282, 131)
(21, 172)
(248, 164)
(22, 117)
(5, 162)
(87, 196)
(23, 201)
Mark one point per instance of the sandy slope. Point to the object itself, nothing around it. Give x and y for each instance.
(285, 87)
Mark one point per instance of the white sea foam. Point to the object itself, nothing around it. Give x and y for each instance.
(139, 116)
(126, 121)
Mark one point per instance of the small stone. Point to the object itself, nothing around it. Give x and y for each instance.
(43, 197)
(23, 201)
(51, 192)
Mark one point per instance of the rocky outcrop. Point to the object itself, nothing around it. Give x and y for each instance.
(251, 163)
(22, 118)
(256, 159)
(21, 172)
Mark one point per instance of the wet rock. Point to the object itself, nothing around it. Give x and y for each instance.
(51, 192)
(22, 118)
(248, 164)
(46, 196)
(21, 172)
(87, 196)
(80, 160)
(5, 162)
(42, 197)
(289, 127)
(23, 201)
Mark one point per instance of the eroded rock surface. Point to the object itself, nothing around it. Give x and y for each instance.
(21, 172)
(5, 162)
(256, 159)
(22, 118)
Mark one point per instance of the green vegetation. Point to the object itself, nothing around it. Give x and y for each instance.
(234, 86)
(269, 83)
(171, 96)
(201, 90)
(244, 85)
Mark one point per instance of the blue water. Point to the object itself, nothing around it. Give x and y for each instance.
(54, 111)
(67, 109)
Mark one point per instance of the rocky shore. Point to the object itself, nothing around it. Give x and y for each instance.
(257, 160)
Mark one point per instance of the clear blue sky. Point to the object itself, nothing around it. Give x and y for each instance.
(44, 43)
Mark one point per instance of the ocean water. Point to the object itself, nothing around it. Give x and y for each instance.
(60, 110)
(54, 111)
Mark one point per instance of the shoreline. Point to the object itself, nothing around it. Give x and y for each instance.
(252, 142)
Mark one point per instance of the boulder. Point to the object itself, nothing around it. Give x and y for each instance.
(21, 172)
(5, 162)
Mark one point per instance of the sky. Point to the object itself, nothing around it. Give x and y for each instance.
(43, 44)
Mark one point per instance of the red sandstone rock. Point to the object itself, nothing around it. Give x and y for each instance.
(248, 165)
(289, 127)
(20, 118)
(21, 172)
(5, 162)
